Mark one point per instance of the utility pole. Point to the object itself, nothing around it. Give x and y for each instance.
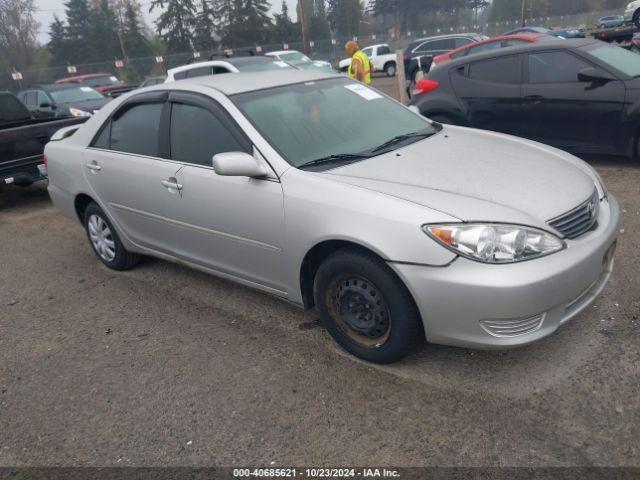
(303, 26)
(523, 13)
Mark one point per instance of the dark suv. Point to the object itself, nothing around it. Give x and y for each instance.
(419, 54)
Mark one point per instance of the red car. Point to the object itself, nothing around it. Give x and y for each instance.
(490, 44)
(105, 83)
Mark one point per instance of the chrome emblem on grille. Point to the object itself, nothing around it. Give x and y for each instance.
(591, 208)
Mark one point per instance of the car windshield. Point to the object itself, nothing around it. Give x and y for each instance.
(623, 60)
(336, 117)
(294, 57)
(72, 95)
(102, 80)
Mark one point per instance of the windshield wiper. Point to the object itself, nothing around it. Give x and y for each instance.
(400, 139)
(337, 158)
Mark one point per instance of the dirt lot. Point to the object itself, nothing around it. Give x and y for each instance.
(166, 366)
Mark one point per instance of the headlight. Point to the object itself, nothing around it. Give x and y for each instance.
(495, 243)
(76, 112)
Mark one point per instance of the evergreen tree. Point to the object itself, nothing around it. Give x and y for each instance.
(104, 32)
(205, 27)
(176, 23)
(57, 40)
(246, 22)
(284, 30)
(345, 16)
(133, 39)
(78, 31)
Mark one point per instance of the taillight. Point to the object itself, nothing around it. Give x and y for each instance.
(406, 58)
(45, 159)
(425, 86)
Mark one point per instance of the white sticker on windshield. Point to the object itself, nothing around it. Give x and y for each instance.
(113, 79)
(281, 64)
(86, 89)
(363, 91)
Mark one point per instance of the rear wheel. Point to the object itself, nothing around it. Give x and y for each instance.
(365, 307)
(390, 69)
(105, 241)
(636, 18)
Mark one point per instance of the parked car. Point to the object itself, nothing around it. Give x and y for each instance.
(295, 57)
(153, 81)
(420, 53)
(490, 44)
(62, 100)
(321, 191)
(570, 32)
(581, 96)
(611, 21)
(381, 57)
(22, 141)
(105, 83)
(632, 13)
(226, 65)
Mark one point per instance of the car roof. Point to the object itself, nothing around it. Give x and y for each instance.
(444, 37)
(280, 52)
(530, 37)
(244, 82)
(547, 45)
(234, 61)
(82, 77)
(54, 87)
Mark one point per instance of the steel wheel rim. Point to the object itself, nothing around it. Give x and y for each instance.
(360, 310)
(101, 238)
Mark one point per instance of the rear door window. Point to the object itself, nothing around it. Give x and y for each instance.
(497, 70)
(137, 130)
(462, 41)
(384, 50)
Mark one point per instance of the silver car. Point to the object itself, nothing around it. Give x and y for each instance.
(328, 194)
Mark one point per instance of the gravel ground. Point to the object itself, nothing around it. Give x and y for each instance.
(162, 365)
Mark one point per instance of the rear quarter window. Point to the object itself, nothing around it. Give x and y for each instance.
(497, 70)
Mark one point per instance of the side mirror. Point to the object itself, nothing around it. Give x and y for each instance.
(238, 164)
(594, 75)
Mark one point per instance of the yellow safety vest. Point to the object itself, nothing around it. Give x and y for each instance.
(367, 66)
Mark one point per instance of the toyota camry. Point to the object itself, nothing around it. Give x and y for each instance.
(326, 193)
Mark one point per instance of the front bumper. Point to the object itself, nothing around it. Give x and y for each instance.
(470, 304)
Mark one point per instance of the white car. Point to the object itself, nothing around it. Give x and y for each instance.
(382, 59)
(295, 57)
(632, 12)
(227, 65)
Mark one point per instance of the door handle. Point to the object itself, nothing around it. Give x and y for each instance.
(171, 184)
(93, 166)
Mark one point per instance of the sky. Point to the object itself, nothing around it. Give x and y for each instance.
(48, 8)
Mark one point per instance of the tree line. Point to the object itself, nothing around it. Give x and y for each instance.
(103, 30)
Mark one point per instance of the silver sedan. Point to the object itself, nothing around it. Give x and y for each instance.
(328, 194)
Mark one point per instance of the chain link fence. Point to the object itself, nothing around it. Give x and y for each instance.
(135, 70)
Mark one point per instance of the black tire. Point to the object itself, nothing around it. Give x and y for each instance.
(365, 307)
(442, 118)
(636, 18)
(121, 259)
(390, 69)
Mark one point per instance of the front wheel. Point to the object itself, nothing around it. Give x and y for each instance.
(105, 241)
(365, 307)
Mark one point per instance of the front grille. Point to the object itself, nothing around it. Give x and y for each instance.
(512, 328)
(579, 220)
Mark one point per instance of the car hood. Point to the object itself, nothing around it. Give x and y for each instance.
(476, 175)
(88, 105)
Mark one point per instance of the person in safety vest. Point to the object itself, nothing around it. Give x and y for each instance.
(360, 68)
